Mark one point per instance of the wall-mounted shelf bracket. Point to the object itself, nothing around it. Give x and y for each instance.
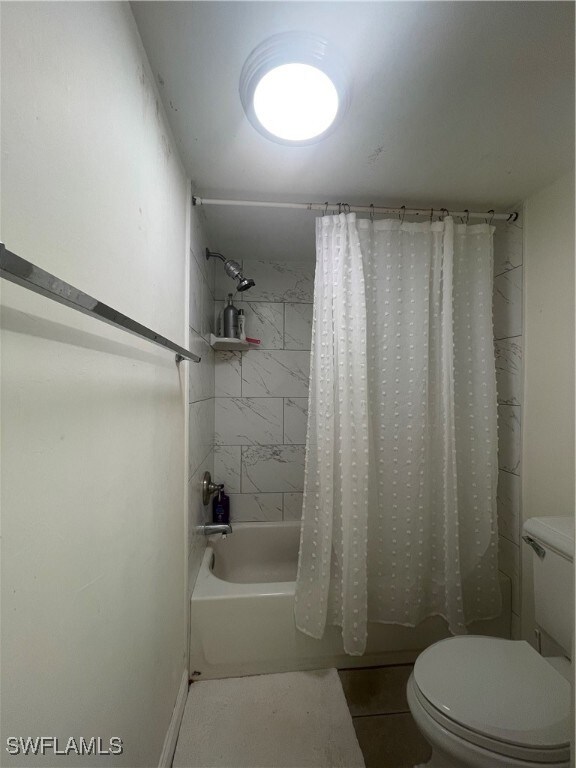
(225, 343)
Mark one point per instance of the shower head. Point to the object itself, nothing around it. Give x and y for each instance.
(245, 283)
(233, 270)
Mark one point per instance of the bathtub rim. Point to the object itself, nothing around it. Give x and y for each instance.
(210, 587)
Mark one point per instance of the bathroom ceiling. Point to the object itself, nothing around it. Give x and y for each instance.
(454, 104)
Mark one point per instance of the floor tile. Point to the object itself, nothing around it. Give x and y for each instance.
(391, 741)
(376, 691)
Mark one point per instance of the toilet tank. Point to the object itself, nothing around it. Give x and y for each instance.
(552, 542)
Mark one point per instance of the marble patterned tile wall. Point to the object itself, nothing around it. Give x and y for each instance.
(262, 394)
(201, 389)
(508, 346)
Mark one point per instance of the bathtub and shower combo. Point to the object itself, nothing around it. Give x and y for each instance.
(242, 613)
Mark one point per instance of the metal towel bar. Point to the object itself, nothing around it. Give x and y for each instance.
(27, 275)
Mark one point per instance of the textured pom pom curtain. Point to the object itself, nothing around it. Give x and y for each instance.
(399, 514)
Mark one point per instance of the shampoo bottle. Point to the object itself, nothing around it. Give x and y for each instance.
(230, 320)
(221, 508)
(241, 325)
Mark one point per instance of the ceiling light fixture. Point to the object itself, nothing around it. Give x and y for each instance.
(293, 88)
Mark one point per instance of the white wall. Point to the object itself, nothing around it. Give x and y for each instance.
(548, 428)
(93, 427)
(548, 445)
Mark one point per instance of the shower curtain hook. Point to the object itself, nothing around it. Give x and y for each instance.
(467, 212)
(347, 206)
(326, 208)
(401, 217)
(339, 208)
(431, 214)
(372, 212)
(492, 212)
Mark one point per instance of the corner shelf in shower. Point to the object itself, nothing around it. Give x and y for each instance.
(221, 342)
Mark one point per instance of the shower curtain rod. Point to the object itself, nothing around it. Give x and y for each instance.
(373, 209)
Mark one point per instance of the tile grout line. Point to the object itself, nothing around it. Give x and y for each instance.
(508, 472)
(506, 271)
(508, 539)
(382, 714)
(505, 338)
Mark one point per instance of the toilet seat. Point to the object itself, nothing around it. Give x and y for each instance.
(498, 694)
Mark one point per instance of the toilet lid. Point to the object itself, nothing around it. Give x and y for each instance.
(500, 688)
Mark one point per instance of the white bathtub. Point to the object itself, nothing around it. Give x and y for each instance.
(242, 613)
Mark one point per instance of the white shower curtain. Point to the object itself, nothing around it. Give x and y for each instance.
(399, 514)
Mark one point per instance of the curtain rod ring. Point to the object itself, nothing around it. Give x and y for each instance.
(491, 217)
(372, 212)
(401, 216)
(431, 214)
(326, 208)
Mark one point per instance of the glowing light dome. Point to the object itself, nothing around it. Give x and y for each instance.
(293, 88)
(296, 102)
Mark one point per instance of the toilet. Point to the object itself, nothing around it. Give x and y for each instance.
(485, 702)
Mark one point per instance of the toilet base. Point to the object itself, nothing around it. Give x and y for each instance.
(438, 761)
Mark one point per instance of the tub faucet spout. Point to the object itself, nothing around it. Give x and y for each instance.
(211, 528)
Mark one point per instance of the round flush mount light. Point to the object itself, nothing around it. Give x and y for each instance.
(293, 88)
(296, 102)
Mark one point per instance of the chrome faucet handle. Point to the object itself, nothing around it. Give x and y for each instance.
(209, 488)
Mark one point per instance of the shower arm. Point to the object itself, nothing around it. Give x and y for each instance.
(210, 253)
(231, 267)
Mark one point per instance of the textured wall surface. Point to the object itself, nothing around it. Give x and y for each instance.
(93, 439)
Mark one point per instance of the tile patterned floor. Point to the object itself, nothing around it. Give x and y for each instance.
(386, 732)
